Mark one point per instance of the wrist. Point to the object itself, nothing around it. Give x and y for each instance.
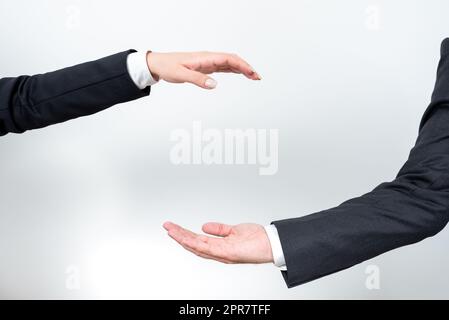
(275, 245)
(151, 65)
(268, 254)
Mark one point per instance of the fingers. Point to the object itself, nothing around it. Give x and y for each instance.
(210, 62)
(236, 64)
(170, 226)
(197, 78)
(188, 238)
(217, 229)
(203, 246)
(177, 235)
(180, 234)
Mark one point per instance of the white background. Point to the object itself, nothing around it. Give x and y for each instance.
(345, 91)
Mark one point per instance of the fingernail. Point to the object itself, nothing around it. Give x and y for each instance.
(255, 74)
(211, 83)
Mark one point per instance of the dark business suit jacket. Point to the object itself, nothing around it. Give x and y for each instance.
(406, 210)
(31, 102)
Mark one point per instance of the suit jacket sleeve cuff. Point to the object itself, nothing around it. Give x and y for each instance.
(276, 247)
(139, 71)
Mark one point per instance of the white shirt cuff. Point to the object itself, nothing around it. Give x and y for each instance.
(138, 69)
(276, 247)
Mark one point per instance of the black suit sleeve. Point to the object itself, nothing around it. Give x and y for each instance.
(31, 102)
(409, 209)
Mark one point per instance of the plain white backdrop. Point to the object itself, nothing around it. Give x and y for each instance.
(82, 203)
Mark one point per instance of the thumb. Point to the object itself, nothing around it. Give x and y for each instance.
(217, 229)
(199, 79)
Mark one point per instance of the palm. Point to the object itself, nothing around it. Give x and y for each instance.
(243, 243)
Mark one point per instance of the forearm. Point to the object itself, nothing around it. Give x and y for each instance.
(393, 215)
(31, 102)
(38, 101)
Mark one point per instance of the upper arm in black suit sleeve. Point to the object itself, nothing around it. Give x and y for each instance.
(30, 102)
(406, 210)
